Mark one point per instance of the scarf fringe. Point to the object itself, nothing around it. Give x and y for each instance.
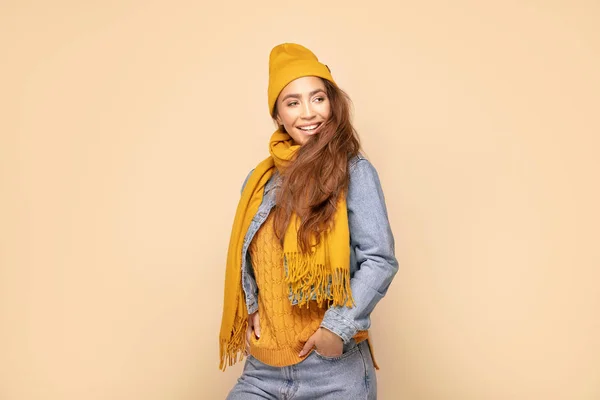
(232, 348)
(310, 280)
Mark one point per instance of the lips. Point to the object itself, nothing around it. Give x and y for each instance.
(309, 128)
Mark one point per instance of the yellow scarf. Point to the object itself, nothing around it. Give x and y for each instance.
(323, 274)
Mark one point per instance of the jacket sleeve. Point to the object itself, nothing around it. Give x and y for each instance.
(373, 243)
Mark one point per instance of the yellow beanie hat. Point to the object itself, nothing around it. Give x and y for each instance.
(290, 61)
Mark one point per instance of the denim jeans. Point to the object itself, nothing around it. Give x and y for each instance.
(347, 377)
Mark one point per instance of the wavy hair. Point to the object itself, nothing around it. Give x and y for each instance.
(313, 182)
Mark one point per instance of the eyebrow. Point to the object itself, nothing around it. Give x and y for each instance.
(297, 96)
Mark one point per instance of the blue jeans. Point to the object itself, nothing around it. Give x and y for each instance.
(348, 377)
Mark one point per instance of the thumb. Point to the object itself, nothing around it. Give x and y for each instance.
(310, 343)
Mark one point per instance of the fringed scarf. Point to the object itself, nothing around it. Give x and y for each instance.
(322, 275)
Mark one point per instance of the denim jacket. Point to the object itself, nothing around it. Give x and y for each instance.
(372, 260)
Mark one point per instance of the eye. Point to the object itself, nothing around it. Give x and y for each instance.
(292, 103)
(320, 99)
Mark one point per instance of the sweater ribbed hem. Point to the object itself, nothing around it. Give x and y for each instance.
(284, 357)
(281, 357)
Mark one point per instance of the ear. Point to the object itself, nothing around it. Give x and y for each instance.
(278, 119)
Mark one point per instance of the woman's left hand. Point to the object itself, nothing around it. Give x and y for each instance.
(327, 343)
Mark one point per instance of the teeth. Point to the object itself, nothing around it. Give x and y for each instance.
(309, 128)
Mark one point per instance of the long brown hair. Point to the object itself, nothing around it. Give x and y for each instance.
(313, 182)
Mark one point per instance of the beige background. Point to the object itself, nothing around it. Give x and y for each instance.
(127, 129)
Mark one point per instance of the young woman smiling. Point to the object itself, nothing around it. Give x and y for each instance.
(311, 251)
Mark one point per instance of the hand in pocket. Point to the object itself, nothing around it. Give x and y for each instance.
(253, 328)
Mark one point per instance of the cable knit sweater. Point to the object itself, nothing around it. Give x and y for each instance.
(284, 327)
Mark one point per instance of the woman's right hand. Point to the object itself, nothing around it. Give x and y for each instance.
(253, 327)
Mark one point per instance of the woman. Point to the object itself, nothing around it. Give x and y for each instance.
(311, 250)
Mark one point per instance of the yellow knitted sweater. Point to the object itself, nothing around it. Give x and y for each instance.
(284, 327)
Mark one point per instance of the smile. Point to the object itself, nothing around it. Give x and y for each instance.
(309, 128)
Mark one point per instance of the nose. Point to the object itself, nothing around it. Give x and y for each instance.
(307, 111)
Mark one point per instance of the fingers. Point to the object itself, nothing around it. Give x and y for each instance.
(248, 333)
(253, 327)
(256, 324)
(310, 343)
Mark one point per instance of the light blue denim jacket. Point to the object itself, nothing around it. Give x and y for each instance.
(372, 260)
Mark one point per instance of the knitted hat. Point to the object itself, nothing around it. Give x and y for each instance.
(290, 61)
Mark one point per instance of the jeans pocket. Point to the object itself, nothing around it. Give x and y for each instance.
(349, 349)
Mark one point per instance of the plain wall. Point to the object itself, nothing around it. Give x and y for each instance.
(128, 127)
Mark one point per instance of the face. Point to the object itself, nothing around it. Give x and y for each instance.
(303, 107)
